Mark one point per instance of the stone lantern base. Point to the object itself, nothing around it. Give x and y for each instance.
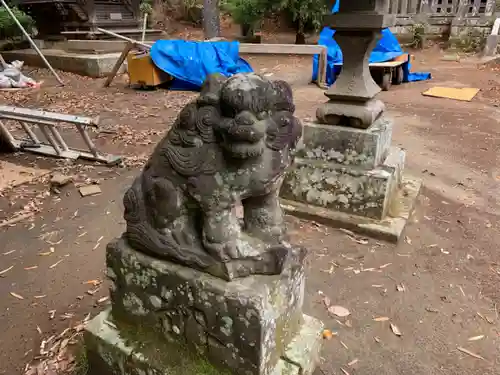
(352, 178)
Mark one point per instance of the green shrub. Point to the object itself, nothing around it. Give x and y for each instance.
(246, 12)
(307, 12)
(9, 29)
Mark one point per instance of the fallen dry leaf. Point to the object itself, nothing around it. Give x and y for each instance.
(102, 300)
(339, 311)
(93, 282)
(6, 270)
(381, 319)
(463, 350)
(93, 291)
(16, 295)
(476, 338)
(408, 240)
(353, 362)
(56, 264)
(328, 335)
(51, 251)
(486, 318)
(52, 314)
(396, 330)
(431, 310)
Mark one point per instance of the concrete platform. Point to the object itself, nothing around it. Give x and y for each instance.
(85, 64)
(390, 229)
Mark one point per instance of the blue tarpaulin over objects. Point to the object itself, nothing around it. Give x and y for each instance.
(190, 62)
(387, 49)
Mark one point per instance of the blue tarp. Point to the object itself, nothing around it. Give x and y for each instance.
(190, 62)
(387, 49)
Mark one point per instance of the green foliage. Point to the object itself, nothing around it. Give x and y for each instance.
(146, 7)
(306, 12)
(9, 29)
(246, 12)
(418, 36)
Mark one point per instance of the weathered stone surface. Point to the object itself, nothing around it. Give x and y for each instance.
(229, 147)
(347, 146)
(350, 113)
(244, 324)
(343, 188)
(123, 351)
(355, 81)
(391, 228)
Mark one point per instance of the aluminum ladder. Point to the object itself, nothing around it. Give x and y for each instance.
(53, 144)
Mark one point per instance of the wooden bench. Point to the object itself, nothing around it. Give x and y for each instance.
(388, 73)
(292, 49)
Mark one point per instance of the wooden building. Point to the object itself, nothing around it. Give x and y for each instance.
(77, 18)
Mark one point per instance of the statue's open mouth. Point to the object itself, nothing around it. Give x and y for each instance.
(244, 150)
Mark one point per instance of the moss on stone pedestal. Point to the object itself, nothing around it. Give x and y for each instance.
(129, 350)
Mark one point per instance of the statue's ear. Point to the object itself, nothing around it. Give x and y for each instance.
(211, 89)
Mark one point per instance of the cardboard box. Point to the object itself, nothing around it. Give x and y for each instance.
(143, 72)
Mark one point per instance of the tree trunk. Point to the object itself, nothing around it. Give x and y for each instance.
(211, 19)
(300, 36)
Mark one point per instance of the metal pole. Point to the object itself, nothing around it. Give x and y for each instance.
(2, 62)
(35, 47)
(144, 25)
(147, 46)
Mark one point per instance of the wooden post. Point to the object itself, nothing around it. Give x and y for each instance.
(144, 26)
(118, 64)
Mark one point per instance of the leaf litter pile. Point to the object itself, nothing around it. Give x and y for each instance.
(57, 354)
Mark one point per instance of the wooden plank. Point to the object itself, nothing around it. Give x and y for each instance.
(281, 49)
(465, 94)
(386, 64)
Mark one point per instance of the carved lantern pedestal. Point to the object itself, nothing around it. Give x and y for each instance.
(347, 173)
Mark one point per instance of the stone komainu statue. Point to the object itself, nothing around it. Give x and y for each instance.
(230, 146)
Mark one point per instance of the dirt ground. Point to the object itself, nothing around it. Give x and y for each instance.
(438, 287)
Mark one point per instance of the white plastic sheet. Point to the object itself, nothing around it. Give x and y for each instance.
(12, 77)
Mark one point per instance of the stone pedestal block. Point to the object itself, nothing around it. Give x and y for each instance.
(349, 189)
(348, 176)
(347, 146)
(170, 319)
